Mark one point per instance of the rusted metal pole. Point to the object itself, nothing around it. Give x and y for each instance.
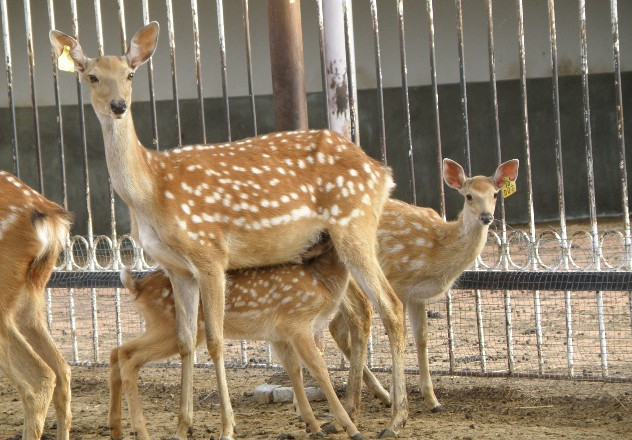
(288, 68)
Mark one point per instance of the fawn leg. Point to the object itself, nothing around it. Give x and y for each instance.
(292, 366)
(419, 323)
(307, 350)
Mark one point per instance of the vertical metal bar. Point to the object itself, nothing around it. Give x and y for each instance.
(509, 332)
(244, 353)
(570, 361)
(466, 127)
(588, 133)
(481, 330)
(150, 74)
(60, 131)
(336, 82)
(591, 183)
(560, 185)
(409, 138)
(9, 73)
(73, 325)
(351, 72)
(451, 349)
(268, 355)
(251, 94)
(49, 314)
(36, 129)
(370, 351)
(323, 59)
(623, 174)
(435, 99)
(174, 74)
(123, 34)
(378, 78)
(198, 67)
(82, 129)
(222, 54)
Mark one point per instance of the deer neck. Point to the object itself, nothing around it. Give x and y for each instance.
(472, 234)
(127, 160)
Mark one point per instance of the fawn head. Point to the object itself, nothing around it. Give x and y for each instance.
(480, 192)
(110, 77)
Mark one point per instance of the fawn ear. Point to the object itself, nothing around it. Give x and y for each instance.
(508, 170)
(59, 41)
(143, 44)
(453, 174)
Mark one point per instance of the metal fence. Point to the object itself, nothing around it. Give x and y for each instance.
(544, 300)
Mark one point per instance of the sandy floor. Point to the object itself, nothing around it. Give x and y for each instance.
(476, 408)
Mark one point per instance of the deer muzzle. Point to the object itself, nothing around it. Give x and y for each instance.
(118, 107)
(486, 218)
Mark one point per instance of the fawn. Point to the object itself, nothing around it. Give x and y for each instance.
(421, 255)
(33, 231)
(282, 304)
(202, 209)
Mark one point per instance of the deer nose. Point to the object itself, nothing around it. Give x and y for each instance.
(486, 218)
(118, 107)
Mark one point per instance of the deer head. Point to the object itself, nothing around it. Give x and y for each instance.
(480, 192)
(110, 77)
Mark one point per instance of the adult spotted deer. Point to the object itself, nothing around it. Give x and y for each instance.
(202, 209)
(281, 304)
(421, 255)
(32, 233)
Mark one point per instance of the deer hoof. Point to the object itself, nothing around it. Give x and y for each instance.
(387, 433)
(438, 409)
(319, 434)
(357, 436)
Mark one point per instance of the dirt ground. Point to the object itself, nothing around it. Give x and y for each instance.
(475, 408)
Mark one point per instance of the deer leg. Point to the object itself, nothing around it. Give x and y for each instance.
(212, 295)
(350, 328)
(131, 357)
(186, 297)
(34, 379)
(42, 343)
(292, 366)
(307, 350)
(116, 397)
(358, 254)
(419, 324)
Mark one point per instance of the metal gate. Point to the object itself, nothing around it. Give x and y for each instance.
(475, 81)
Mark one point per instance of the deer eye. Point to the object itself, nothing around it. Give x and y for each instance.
(495, 195)
(469, 197)
(93, 79)
(130, 76)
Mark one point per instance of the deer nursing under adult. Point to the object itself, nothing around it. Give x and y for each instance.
(33, 231)
(421, 254)
(202, 209)
(281, 304)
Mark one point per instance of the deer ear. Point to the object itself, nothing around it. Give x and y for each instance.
(508, 170)
(59, 41)
(453, 174)
(143, 44)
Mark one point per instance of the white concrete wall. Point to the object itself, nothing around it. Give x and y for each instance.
(475, 28)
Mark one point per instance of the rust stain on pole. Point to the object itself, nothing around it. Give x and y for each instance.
(288, 69)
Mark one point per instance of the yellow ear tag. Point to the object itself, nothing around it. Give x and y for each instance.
(64, 62)
(508, 188)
